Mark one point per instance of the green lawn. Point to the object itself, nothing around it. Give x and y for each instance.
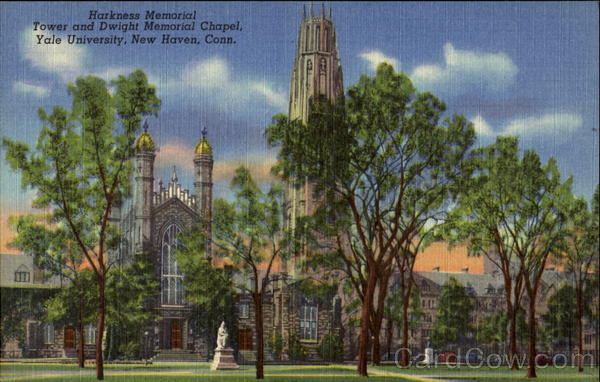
(279, 373)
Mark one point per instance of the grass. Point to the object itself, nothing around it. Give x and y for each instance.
(280, 373)
(445, 369)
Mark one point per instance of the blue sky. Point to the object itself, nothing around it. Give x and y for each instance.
(512, 68)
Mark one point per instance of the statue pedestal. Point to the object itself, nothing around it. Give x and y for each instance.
(224, 360)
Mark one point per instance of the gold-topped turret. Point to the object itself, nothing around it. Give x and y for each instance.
(145, 141)
(203, 147)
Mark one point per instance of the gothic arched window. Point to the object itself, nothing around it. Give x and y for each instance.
(171, 281)
(318, 37)
(306, 46)
(327, 39)
(323, 66)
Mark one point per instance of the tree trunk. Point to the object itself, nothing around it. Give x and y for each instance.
(390, 334)
(512, 337)
(260, 346)
(363, 339)
(404, 353)
(376, 345)
(579, 312)
(532, 337)
(100, 328)
(81, 350)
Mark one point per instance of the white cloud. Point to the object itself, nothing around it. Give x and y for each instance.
(482, 128)
(215, 74)
(65, 60)
(464, 69)
(23, 87)
(552, 124)
(376, 57)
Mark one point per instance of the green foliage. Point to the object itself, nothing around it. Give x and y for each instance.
(492, 330)
(209, 288)
(296, 350)
(275, 343)
(394, 304)
(321, 290)
(331, 348)
(129, 289)
(453, 315)
(561, 317)
(18, 305)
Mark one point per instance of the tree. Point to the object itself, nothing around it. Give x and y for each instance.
(383, 161)
(208, 287)
(51, 249)
(453, 315)
(561, 316)
(249, 232)
(81, 167)
(18, 305)
(129, 289)
(529, 219)
(491, 330)
(482, 219)
(580, 254)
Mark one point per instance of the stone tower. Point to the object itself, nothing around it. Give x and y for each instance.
(203, 166)
(143, 195)
(317, 72)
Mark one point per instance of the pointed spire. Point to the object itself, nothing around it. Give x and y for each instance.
(204, 132)
(174, 176)
(322, 9)
(146, 126)
(304, 12)
(330, 13)
(312, 13)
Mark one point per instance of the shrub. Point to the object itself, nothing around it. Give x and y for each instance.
(296, 351)
(275, 343)
(331, 348)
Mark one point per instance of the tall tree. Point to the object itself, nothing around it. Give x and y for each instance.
(210, 288)
(370, 156)
(81, 167)
(580, 254)
(483, 220)
(533, 220)
(249, 232)
(453, 314)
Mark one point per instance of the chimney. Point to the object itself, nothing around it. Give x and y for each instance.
(436, 269)
(465, 270)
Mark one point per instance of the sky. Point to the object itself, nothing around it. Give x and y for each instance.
(527, 69)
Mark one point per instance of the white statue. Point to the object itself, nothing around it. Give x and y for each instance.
(222, 337)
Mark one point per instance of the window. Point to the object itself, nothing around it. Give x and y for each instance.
(89, 332)
(22, 275)
(308, 322)
(309, 65)
(318, 37)
(327, 39)
(49, 333)
(587, 339)
(244, 310)
(171, 279)
(306, 47)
